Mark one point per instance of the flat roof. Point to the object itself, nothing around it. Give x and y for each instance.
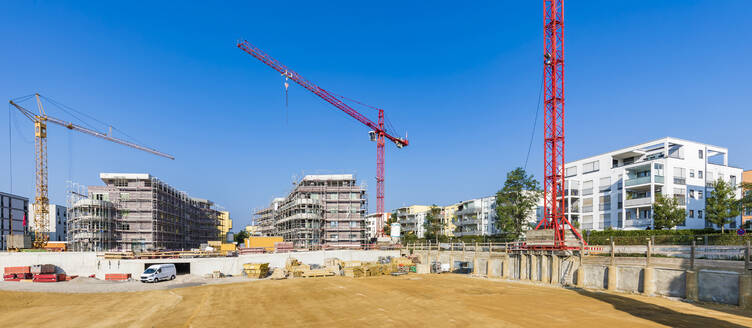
(319, 177)
(127, 176)
(648, 144)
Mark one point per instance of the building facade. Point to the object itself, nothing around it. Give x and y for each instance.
(13, 210)
(412, 219)
(57, 222)
(617, 189)
(322, 210)
(266, 217)
(447, 218)
(375, 223)
(476, 217)
(137, 212)
(225, 224)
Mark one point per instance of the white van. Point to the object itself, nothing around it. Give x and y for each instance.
(159, 272)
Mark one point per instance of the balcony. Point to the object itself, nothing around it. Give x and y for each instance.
(680, 180)
(637, 181)
(637, 202)
(658, 179)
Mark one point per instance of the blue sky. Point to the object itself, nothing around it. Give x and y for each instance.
(461, 79)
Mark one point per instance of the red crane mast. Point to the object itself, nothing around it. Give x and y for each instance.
(553, 154)
(378, 131)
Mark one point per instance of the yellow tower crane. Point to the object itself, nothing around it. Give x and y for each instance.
(41, 201)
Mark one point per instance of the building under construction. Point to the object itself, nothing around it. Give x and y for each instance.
(137, 212)
(322, 210)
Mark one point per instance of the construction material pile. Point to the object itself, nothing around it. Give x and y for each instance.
(35, 273)
(117, 276)
(283, 247)
(384, 266)
(17, 273)
(256, 270)
(251, 250)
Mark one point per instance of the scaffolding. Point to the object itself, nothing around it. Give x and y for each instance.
(321, 211)
(91, 222)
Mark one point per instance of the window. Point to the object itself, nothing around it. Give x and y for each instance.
(590, 167)
(605, 184)
(333, 224)
(587, 205)
(691, 173)
(699, 174)
(353, 224)
(699, 153)
(691, 213)
(679, 174)
(699, 194)
(691, 194)
(587, 187)
(570, 171)
(732, 180)
(699, 214)
(333, 236)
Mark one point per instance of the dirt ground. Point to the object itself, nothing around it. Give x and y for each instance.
(407, 301)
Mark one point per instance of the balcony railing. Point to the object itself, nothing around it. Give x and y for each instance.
(680, 180)
(637, 181)
(637, 202)
(658, 179)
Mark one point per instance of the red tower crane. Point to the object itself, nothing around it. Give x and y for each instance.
(378, 132)
(553, 154)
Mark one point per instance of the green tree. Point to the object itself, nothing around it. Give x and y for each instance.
(434, 225)
(388, 225)
(746, 201)
(667, 213)
(721, 206)
(241, 236)
(516, 201)
(409, 237)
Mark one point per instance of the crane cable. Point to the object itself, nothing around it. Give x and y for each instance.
(535, 122)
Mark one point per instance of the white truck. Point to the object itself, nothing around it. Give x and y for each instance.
(159, 272)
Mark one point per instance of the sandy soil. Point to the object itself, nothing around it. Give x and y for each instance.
(406, 301)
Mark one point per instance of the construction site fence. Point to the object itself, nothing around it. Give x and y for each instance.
(692, 251)
(718, 239)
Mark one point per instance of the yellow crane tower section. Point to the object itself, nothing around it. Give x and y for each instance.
(41, 200)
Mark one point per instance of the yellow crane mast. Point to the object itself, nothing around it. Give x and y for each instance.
(41, 200)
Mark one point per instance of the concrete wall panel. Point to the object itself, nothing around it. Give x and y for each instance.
(595, 276)
(719, 287)
(629, 279)
(670, 282)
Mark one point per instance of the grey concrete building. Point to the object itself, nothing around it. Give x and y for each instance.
(136, 211)
(13, 209)
(322, 210)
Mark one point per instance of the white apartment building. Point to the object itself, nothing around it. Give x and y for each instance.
(57, 221)
(412, 219)
(617, 189)
(476, 217)
(375, 222)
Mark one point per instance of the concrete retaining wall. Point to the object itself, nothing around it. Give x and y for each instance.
(87, 263)
(716, 281)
